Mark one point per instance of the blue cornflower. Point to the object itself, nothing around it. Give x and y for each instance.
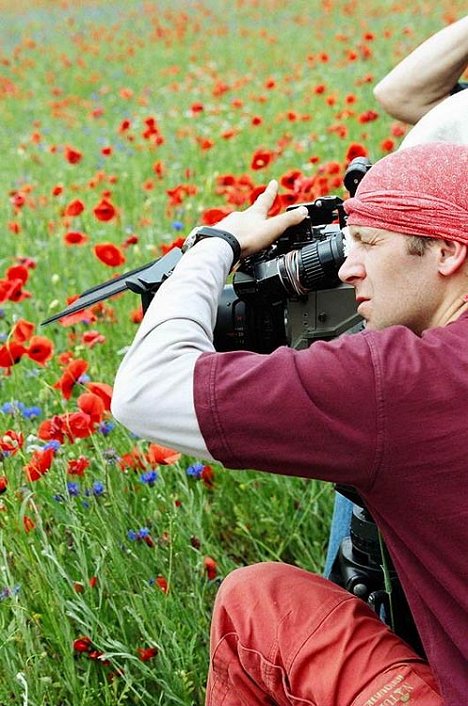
(143, 532)
(83, 379)
(98, 488)
(195, 470)
(73, 488)
(132, 535)
(106, 427)
(52, 444)
(7, 592)
(59, 498)
(9, 407)
(149, 477)
(32, 412)
(177, 225)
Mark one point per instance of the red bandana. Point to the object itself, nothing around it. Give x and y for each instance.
(420, 190)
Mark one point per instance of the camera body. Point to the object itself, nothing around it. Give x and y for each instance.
(289, 294)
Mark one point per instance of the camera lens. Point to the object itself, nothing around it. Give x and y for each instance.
(319, 263)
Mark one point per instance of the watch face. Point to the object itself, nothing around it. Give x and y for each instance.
(191, 239)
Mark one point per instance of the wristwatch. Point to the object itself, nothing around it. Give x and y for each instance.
(202, 232)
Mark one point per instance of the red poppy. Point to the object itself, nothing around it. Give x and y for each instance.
(105, 210)
(354, 150)
(70, 376)
(368, 116)
(74, 208)
(205, 143)
(147, 653)
(93, 582)
(3, 484)
(398, 130)
(72, 155)
(28, 524)
(77, 466)
(161, 581)
(40, 349)
(77, 425)
(82, 644)
(136, 316)
(22, 331)
(207, 476)
(10, 354)
(18, 272)
(131, 240)
(51, 429)
(161, 455)
(134, 460)
(177, 243)
(12, 289)
(158, 169)
(85, 315)
(11, 442)
(110, 254)
(102, 390)
(214, 215)
(75, 238)
(39, 464)
(211, 567)
(92, 405)
(14, 227)
(289, 179)
(91, 338)
(261, 159)
(387, 145)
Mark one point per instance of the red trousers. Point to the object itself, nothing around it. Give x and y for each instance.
(281, 636)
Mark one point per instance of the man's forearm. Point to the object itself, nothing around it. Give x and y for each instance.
(427, 75)
(153, 389)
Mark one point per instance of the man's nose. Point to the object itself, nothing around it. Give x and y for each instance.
(352, 269)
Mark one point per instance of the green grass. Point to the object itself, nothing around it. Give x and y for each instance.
(70, 73)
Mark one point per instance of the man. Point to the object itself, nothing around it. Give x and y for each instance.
(423, 89)
(426, 76)
(392, 400)
(446, 122)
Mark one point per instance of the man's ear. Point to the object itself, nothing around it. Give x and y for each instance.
(451, 256)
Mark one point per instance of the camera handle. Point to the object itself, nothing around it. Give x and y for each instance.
(144, 281)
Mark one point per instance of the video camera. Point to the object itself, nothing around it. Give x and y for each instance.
(290, 294)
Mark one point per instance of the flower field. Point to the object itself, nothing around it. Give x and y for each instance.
(124, 124)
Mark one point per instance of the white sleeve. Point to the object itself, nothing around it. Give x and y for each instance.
(153, 389)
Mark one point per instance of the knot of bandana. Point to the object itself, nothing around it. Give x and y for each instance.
(420, 190)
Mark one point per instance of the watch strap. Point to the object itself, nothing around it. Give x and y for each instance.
(207, 232)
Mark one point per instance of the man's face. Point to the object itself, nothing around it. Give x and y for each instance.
(392, 286)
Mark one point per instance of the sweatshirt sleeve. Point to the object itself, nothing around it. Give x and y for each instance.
(153, 389)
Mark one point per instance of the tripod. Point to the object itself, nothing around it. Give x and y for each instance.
(364, 568)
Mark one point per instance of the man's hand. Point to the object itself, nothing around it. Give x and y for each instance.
(252, 227)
